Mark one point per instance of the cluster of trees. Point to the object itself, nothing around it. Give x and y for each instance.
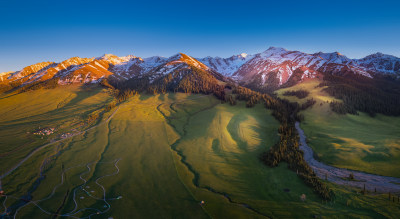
(110, 106)
(136, 83)
(192, 80)
(48, 84)
(341, 108)
(251, 97)
(106, 83)
(309, 102)
(287, 149)
(122, 95)
(231, 100)
(298, 93)
(17, 85)
(119, 97)
(93, 117)
(359, 93)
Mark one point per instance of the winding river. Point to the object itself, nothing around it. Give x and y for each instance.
(382, 184)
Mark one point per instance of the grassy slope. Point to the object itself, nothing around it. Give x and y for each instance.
(350, 141)
(23, 113)
(147, 181)
(221, 144)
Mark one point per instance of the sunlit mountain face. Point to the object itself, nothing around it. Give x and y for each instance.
(199, 109)
(271, 69)
(277, 134)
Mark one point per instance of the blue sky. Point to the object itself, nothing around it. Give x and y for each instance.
(34, 31)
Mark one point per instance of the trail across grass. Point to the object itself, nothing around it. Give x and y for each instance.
(62, 108)
(149, 136)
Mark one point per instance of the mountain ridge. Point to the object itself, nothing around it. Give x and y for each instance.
(270, 69)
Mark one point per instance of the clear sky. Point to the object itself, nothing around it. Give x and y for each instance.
(35, 31)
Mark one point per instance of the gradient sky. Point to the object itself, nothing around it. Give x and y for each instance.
(35, 31)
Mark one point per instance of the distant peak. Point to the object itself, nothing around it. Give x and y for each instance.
(130, 56)
(272, 48)
(328, 54)
(183, 58)
(240, 56)
(6, 73)
(116, 59)
(380, 56)
(273, 51)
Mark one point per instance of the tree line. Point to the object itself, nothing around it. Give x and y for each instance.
(298, 93)
(192, 80)
(48, 84)
(358, 93)
(287, 149)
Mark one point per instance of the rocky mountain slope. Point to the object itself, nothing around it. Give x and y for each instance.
(271, 69)
(380, 63)
(226, 66)
(278, 67)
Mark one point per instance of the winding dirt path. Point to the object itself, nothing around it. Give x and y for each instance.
(382, 184)
(48, 144)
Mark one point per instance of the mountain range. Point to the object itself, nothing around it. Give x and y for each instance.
(271, 69)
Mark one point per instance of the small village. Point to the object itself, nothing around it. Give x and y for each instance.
(66, 135)
(44, 131)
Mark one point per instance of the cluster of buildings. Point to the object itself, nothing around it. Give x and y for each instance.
(66, 135)
(45, 131)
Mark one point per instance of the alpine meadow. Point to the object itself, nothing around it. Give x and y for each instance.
(279, 133)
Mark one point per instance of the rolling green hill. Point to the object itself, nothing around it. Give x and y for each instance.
(358, 142)
(159, 156)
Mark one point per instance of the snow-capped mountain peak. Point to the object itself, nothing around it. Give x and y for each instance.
(243, 55)
(115, 60)
(334, 57)
(274, 67)
(273, 51)
(226, 66)
(380, 62)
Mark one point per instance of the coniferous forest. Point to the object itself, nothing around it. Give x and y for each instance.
(359, 93)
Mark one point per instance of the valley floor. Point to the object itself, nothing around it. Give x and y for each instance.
(357, 142)
(160, 156)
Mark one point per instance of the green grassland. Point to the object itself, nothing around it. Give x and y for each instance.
(358, 142)
(159, 156)
(63, 108)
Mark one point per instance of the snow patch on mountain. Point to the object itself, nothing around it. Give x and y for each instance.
(334, 57)
(226, 66)
(380, 63)
(275, 65)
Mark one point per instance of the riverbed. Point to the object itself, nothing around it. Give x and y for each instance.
(372, 183)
